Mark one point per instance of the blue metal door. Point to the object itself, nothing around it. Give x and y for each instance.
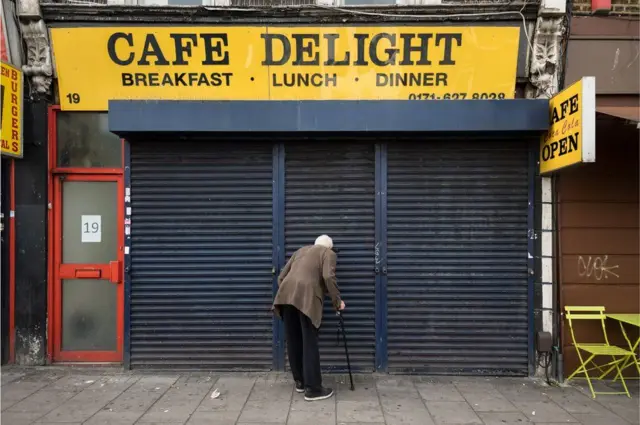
(201, 255)
(330, 189)
(458, 284)
(432, 263)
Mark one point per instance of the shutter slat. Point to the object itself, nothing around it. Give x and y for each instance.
(201, 251)
(330, 189)
(457, 258)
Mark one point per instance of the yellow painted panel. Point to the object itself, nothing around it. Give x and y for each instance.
(97, 64)
(11, 85)
(571, 136)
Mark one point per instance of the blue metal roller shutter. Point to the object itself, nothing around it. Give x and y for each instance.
(457, 257)
(201, 255)
(330, 189)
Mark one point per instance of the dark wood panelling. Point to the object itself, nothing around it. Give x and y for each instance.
(590, 188)
(598, 241)
(598, 230)
(587, 331)
(600, 269)
(599, 214)
(614, 175)
(588, 183)
(615, 298)
(613, 62)
(604, 26)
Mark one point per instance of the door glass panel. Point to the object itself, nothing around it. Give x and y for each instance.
(84, 140)
(89, 222)
(89, 236)
(89, 315)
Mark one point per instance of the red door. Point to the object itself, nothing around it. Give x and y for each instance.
(88, 287)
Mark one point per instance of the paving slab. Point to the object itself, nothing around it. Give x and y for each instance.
(42, 401)
(502, 418)
(392, 383)
(99, 396)
(15, 392)
(89, 401)
(131, 404)
(628, 410)
(179, 402)
(359, 411)
(74, 383)
(361, 423)
(10, 377)
(362, 405)
(453, 413)
(574, 401)
(270, 400)
(58, 423)
(437, 391)
(402, 404)
(545, 412)
(260, 423)
(605, 418)
(521, 389)
(208, 418)
(322, 412)
(43, 375)
(19, 418)
(233, 394)
(548, 423)
(484, 397)
(363, 391)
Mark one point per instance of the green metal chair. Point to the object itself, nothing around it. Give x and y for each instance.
(594, 350)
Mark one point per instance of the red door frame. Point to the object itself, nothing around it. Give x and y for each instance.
(12, 262)
(58, 271)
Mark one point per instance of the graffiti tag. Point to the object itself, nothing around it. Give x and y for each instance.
(596, 267)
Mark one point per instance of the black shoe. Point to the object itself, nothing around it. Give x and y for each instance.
(321, 394)
(299, 387)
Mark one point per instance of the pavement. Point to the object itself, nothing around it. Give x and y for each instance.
(69, 395)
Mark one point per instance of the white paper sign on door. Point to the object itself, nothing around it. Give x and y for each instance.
(91, 228)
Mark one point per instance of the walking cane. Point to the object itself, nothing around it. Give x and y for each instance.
(346, 350)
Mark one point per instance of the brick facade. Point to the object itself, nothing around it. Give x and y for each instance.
(618, 7)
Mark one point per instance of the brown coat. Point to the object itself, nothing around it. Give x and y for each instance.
(309, 274)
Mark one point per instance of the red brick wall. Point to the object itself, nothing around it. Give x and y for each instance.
(618, 7)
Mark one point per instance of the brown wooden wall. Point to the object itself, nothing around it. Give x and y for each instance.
(598, 233)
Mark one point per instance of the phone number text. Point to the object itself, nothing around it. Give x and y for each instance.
(455, 96)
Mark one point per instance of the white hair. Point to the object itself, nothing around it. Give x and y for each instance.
(325, 241)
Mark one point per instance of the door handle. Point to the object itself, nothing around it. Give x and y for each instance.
(88, 273)
(115, 267)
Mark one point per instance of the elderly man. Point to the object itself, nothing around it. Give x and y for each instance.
(309, 274)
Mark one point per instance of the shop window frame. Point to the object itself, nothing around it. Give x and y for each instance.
(54, 111)
(53, 303)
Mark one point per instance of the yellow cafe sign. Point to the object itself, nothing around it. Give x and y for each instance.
(571, 138)
(283, 63)
(11, 94)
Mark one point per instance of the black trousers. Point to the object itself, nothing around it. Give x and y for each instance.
(302, 347)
